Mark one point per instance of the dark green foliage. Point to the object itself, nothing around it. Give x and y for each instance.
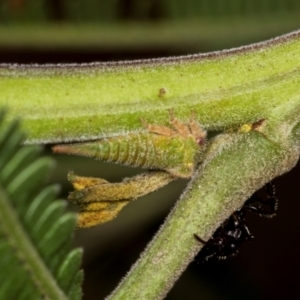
(70, 266)
(36, 256)
(136, 10)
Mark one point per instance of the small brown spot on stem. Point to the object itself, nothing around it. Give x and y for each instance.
(162, 92)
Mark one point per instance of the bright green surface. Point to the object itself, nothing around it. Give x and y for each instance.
(68, 103)
(225, 90)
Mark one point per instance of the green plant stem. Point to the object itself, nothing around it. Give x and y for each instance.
(224, 89)
(26, 251)
(219, 188)
(82, 102)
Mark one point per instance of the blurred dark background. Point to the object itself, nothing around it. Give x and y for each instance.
(56, 31)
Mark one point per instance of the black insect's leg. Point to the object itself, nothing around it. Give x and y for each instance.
(246, 234)
(265, 206)
(272, 199)
(198, 238)
(227, 239)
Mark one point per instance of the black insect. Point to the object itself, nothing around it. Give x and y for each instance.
(228, 238)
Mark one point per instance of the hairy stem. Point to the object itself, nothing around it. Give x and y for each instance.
(82, 102)
(224, 89)
(216, 191)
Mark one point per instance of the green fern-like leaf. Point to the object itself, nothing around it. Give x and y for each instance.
(36, 257)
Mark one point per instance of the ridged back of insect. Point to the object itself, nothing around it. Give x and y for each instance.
(131, 149)
(175, 154)
(143, 150)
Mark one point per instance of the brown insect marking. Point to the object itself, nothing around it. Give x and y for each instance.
(193, 129)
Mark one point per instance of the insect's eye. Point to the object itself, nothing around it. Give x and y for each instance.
(200, 141)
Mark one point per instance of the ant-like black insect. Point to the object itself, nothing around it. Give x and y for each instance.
(228, 238)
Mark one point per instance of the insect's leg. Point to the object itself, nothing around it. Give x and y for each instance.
(207, 251)
(198, 238)
(196, 130)
(245, 229)
(239, 223)
(264, 207)
(215, 245)
(180, 127)
(161, 130)
(272, 199)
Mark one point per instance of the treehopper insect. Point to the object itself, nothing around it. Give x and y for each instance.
(160, 148)
(175, 151)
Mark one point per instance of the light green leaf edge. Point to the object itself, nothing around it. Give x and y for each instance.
(34, 263)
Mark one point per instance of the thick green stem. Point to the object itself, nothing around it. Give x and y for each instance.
(82, 102)
(235, 167)
(224, 89)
